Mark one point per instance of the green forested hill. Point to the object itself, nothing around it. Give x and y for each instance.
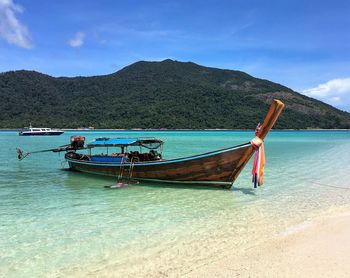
(165, 94)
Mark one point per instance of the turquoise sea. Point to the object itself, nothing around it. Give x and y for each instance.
(56, 223)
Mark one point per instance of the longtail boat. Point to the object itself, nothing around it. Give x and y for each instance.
(218, 168)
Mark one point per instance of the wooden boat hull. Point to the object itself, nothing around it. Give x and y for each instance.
(216, 168)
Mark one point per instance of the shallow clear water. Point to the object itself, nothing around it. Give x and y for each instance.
(55, 223)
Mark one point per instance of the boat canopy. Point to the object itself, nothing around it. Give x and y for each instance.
(147, 142)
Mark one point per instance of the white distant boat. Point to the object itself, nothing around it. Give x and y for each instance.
(39, 131)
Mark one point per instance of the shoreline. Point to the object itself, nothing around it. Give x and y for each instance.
(165, 129)
(318, 248)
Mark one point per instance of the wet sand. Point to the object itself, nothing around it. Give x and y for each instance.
(317, 249)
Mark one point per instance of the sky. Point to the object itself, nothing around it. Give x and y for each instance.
(304, 45)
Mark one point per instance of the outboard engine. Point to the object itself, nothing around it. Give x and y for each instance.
(77, 142)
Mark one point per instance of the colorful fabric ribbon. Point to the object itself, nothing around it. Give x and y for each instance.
(259, 161)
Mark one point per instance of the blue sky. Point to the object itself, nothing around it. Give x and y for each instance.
(304, 45)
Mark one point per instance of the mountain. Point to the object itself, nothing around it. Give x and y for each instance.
(167, 94)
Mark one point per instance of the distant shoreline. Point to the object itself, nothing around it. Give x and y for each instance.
(165, 129)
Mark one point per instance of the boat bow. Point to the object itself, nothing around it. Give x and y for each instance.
(272, 115)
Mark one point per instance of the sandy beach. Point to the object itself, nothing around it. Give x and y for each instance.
(319, 248)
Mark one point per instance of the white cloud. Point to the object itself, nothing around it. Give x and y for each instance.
(11, 29)
(78, 40)
(335, 92)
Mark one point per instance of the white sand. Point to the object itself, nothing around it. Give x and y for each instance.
(321, 249)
